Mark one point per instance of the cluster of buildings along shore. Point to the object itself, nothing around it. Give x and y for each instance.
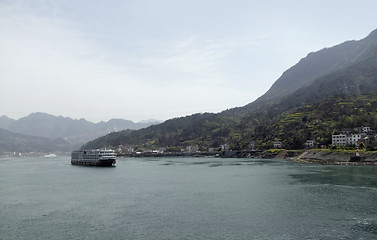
(346, 137)
(352, 137)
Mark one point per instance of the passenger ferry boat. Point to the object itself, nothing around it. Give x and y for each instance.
(98, 157)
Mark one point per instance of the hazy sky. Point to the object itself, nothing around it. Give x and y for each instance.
(160, 59)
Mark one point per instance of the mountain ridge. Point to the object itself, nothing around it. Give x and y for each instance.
(309, 69)
(73, 131)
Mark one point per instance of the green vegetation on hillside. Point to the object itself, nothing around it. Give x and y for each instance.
(317, 121)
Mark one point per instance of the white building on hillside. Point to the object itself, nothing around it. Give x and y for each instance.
(366, 129)
(355, 138)
(309, 143)
(343, 140)
(339, 140)
(278, 144)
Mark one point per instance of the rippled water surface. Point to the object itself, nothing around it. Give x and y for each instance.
(186, 198)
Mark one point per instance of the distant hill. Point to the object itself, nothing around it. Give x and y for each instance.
(44, 132)
(348, 69)
(74, 131)
(5, 122)
(14, 142)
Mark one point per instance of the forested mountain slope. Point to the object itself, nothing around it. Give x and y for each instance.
(319, 121)
(316, 121)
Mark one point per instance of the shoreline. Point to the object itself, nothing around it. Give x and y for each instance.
(312, 156)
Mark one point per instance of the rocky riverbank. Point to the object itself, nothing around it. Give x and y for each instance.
(335, 157)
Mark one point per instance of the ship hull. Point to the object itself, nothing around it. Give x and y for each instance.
(99, 163)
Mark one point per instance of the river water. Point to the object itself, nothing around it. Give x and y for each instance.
(186, 198)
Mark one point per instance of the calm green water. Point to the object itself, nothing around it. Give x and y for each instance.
(186, 198)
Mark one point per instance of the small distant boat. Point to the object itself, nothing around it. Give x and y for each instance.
(50, 155)
(98, 157)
